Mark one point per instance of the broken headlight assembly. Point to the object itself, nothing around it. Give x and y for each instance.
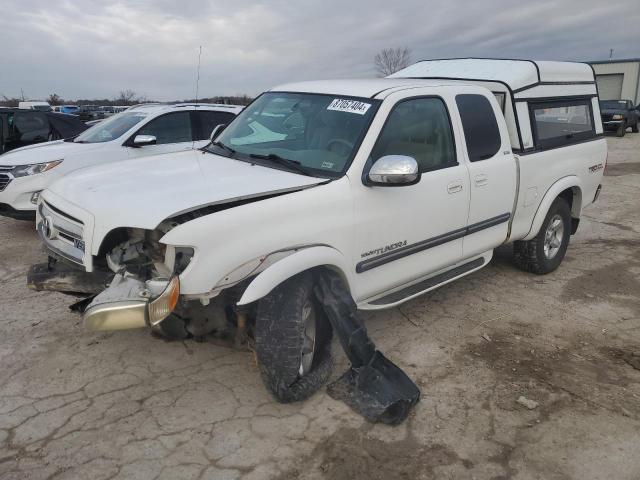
(35, 168)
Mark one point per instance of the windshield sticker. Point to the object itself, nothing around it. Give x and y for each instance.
(327, 165)
(351, 106)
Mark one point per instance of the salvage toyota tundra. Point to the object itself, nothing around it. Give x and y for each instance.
(395, 185)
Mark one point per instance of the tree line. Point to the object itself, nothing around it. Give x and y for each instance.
(126, 97)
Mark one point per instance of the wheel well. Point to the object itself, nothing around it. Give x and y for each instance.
(573, 196)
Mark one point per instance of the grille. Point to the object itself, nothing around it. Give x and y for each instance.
(5, 179)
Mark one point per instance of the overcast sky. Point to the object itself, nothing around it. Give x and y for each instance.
(94, 49)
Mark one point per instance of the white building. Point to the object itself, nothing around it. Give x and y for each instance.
(618, 79)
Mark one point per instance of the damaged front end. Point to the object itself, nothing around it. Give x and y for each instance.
(129, 302)
(134, 282)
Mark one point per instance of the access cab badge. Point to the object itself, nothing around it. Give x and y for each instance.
(351, 106)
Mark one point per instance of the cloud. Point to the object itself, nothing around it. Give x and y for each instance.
(90, 49)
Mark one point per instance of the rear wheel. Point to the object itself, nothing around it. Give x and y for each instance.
(544, 253)
(293, 340)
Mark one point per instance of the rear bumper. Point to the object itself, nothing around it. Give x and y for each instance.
(7, 210)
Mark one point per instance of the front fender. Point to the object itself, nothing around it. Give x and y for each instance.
(561, 185)
(292, 265)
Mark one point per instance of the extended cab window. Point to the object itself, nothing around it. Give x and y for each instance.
(169, 128)
(558, 123)
(481, 131)
(418, 128)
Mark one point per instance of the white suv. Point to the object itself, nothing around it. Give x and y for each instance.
(138, 132)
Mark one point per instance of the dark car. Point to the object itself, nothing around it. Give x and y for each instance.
(88, 113)
(19, 128)
(618, 115)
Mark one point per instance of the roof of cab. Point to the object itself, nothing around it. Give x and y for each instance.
(368, 88)
(517, 74)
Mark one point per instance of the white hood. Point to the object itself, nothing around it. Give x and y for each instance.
(46, 152)
(143, 192)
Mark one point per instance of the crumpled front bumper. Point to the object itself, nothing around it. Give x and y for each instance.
(129, 302)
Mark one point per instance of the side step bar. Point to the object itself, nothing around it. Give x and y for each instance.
(428, 283)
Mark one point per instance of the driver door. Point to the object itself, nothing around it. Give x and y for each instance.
(406, 232)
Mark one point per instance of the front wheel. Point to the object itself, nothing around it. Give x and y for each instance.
(622, 129)
(544, 253)
(634, 129)
(293, 340)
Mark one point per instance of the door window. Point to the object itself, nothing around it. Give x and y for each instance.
(418, 128)
(170, 128)
(209, 120)
(31, 126)
(481, 131)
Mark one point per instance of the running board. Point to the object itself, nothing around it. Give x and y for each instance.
(428, 283)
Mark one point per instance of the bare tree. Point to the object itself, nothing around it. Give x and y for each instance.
(127, 97)
(390, 60)
(54, 99)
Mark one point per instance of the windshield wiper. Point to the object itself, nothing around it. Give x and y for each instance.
(223, 146)
(285, 162)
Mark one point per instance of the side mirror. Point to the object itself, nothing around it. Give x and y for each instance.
(394, 171)
(217, 130)
(144, 140)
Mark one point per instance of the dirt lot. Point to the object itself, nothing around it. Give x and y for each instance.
(75, 404)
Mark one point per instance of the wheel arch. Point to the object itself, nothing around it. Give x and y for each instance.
(303, 260)
(568, 188)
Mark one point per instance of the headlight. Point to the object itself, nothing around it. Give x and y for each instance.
(617, 117)
(26, 170)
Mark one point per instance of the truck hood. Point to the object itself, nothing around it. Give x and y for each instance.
(141, 193)
(46, 152)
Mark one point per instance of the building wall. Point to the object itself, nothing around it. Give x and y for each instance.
(631, 75)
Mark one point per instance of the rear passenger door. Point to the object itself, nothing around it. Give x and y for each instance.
(492, 171)
(173, 132)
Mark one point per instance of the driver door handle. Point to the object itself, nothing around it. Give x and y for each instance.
(455, 187)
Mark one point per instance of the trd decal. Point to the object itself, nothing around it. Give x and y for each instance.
(595, 168)
(381, 250)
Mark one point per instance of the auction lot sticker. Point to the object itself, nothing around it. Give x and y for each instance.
(351, 106)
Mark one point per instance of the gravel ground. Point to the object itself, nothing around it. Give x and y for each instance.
(77, 404)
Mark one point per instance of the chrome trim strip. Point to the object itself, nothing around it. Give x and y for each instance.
(388, 257)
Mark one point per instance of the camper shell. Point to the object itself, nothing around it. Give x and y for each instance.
(518, 85)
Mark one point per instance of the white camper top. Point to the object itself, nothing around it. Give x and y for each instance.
(518, 75)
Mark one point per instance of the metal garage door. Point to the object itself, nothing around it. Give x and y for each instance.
(610, 86)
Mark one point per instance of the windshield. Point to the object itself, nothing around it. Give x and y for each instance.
(110, 129)
(321, 133)
(613, 104)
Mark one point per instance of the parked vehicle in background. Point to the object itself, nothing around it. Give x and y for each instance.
(70, 109)
(40, 106)
(139, 132)
(90, 112)
(107, 111)
(398, 185)
(19, 128)
(618, 115)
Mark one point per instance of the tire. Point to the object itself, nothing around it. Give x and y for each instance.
(622, 129)
(280, 334)
(634, 129)
(544, 253)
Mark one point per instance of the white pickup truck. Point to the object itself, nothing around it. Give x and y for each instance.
(399, 185)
